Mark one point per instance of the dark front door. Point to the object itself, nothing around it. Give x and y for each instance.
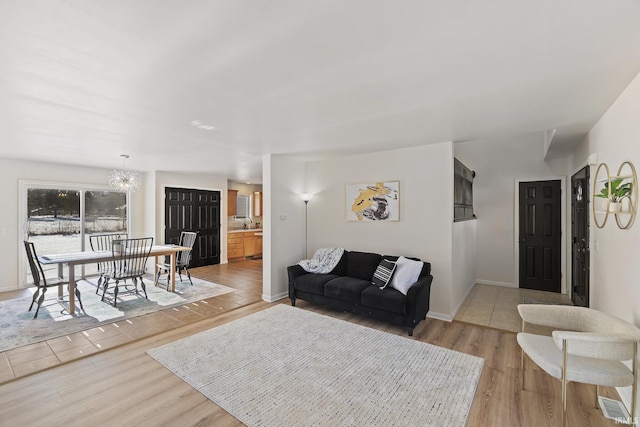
(540, 235)
(194, 210)
(580, 237)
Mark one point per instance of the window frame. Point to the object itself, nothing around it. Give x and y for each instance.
(26, 185)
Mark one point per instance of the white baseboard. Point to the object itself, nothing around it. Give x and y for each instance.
(494, 283)
(439, 316)
(274, 298)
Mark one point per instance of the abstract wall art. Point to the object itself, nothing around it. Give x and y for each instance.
(376, 201)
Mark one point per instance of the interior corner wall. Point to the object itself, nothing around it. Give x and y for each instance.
(426, 210)
(283, 231)
(498, 163)
(463, 261)
(614, 252)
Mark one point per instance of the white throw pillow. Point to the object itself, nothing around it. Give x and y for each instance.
(406, 274)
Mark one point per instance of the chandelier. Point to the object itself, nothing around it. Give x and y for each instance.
(124, 180)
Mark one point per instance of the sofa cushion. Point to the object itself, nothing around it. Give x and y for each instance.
(426, 267)
(313, 283)
(346, 289)
(406, 274)
(387, 299)
(341, 268)
(361, 265)
(383, 273)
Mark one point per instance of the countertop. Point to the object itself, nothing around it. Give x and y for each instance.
(242, 230)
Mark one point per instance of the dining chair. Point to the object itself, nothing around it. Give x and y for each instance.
(187, 239)
(129, 262)
(40, 281)
(586, 346)
(102, 242)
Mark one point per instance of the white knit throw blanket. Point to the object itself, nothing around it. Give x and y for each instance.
(323, 261)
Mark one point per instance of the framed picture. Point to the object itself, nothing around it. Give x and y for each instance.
(375, 201)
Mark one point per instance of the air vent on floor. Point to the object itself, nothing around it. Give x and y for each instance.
(613, 409)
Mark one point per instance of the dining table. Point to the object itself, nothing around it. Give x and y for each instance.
(72, 259)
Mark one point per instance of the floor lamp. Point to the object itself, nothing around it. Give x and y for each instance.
(305, 198)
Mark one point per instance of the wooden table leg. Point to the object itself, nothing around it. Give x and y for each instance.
(174, 255)
(60, 288)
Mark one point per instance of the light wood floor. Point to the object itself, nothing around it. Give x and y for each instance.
(122, 386)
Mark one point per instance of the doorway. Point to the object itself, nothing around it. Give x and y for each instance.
(540, 235)
(580, 237)
(194, 210)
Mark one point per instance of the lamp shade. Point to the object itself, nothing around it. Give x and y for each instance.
(306, 196)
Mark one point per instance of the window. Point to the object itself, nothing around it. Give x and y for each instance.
(60, 218)
(463, 192)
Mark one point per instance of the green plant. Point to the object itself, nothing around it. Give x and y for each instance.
(618, 190)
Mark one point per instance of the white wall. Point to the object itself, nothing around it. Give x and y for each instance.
(463, 262)
(614, 285)
(283, 231)
(499, 163)
(426, 210)
(11, 171)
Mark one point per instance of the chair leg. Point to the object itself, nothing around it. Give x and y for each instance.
(188, 275)
(99, 283)
(115, 294)
(157, 277)
(144, 288)
(565, 358)
(634, 391)
(40, 300)
(597, 394)
(104, 288)
(522, 369)
(36, 294)
(79, 298)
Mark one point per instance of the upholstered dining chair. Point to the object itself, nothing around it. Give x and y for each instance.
(129, 262)
(102, 242)
(586, 346)
(187, 239)
(40, 281)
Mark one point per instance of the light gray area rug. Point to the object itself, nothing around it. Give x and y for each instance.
(18, 327)
(285, 366)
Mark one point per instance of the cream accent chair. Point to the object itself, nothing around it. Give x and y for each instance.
(586, 346)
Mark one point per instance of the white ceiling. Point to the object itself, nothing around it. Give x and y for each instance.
(83, 81)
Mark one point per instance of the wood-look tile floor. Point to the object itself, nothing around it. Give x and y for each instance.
(495, 306)
(245, 276)
(123, 386)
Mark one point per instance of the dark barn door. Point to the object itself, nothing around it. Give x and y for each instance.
(580, 238)
(540, 235)
(194, 210)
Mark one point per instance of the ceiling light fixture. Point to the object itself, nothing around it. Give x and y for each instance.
(198, 124)
(124, 180)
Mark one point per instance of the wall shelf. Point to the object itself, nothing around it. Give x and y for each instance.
(626, 216)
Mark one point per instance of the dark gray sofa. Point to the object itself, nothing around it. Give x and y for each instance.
(348, 287)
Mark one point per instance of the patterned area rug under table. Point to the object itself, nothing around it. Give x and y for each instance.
(285, 366)
(19, 328)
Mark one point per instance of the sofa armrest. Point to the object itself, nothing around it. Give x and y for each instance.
(294, 271)
(417, 303)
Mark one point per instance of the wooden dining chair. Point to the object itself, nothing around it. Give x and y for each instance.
(40, 281)
(187, 239)
(102, 242)
(129, 262)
